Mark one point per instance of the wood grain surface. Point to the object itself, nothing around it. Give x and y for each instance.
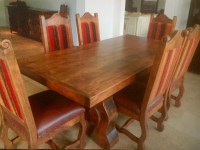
(91, 73)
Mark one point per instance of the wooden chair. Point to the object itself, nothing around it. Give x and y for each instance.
(38, 118)
(88, 28)
(64, 11)
(56, 33)
(161, 26)
(183, 64)
(140, 101)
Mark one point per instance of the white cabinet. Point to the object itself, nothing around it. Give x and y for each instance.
(136, 24)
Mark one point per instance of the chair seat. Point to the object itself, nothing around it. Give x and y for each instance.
(51, 110)
(131, 98)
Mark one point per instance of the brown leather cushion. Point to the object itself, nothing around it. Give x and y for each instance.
(131, 97)
(51, 110)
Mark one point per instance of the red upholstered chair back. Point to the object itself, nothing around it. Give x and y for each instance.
(161, 26)
(56, 33)
(88, 28)
(14, 103)
(163, 67)
(188, 51)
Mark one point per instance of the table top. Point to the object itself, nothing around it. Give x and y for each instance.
(91, 73)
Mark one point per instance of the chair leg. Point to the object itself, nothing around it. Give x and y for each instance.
(160, 125)
(82, 132)
(168, 105)
(180, 95)
(4, 136)
(145, 132)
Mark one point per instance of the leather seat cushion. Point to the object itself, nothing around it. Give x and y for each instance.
(131, 98)
(51, 110)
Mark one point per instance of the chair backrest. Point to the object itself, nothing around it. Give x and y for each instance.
(14, 103)
(88, 28)
(163, 68)
(161, 26)
(188, 51)
(56, 33)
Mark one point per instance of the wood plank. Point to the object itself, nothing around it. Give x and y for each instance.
(94, 71)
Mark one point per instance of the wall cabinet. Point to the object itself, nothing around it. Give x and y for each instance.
(26, 21)
(136, 24)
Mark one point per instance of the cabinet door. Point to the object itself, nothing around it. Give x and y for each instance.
(143, 25)
(13, 18)
(34, 24)
(132, 28)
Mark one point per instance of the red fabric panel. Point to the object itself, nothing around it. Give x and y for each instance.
(158, 31)
(4, 97)
(11, 89)
(186, 56)
(51, 36)
(91, 30)
(173, 66)
(61, 37)
(64, 33)
(84, 30)
(151, 29)
(166, 70)
(94, 28)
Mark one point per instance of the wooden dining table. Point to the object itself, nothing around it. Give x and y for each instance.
(90, 75)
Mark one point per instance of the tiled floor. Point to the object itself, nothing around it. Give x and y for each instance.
(182, 130)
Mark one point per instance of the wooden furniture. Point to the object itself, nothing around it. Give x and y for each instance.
(56, 33)
(88, 28)
(104, 68)
(64, 11)
(140, 101)
(36, 119)
(136, 24)
(161, 26)
(183, 64)
(149, 6)
(26, 21)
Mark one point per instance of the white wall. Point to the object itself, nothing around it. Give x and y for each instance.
(179, 8)
(111, 16)
(2, 14)
(161, 5)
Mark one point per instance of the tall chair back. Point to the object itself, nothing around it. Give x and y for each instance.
(141, 102)
(161, 26)
(31, 118)
(188, 52)
(14, 103)
(56, 33)
(183, 64)
(163, 68)
(88, 28)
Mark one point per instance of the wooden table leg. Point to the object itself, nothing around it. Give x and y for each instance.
(107, 135)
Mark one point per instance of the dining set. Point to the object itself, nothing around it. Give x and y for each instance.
(93, 82)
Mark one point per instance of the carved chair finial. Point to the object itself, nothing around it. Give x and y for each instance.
(166, 38)
(5, 44)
